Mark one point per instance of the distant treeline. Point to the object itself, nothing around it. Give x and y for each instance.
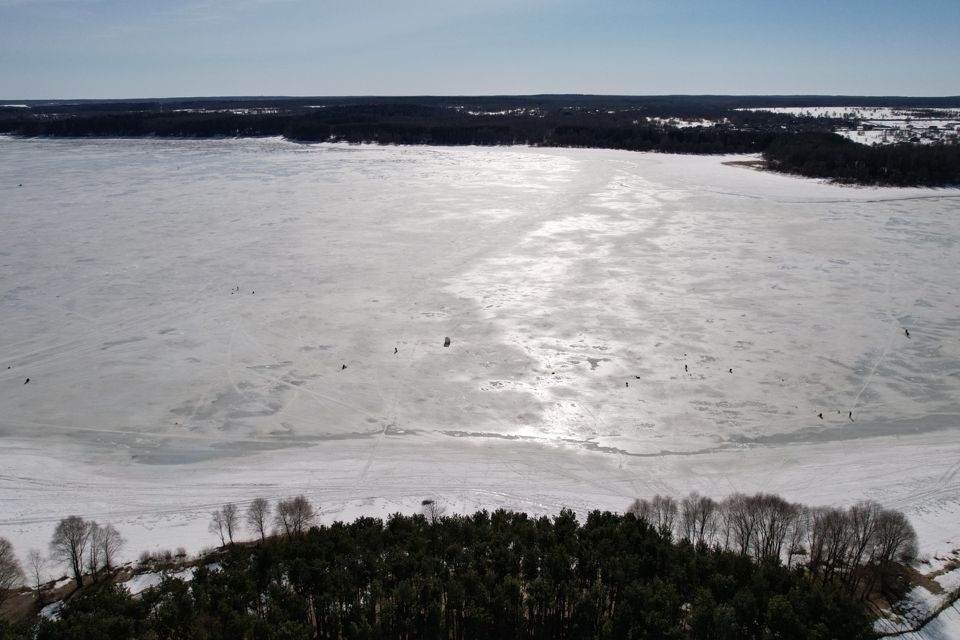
(416, 124)
(796, 144)
(826, 155)
(494, 575)
(669, 105)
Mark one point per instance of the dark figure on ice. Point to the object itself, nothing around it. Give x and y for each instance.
(394, 350)
(686, 369)
(342, 367)
(820, 415)
(850, 415)
(907, 332)
(731, 370)
(26, 381)
(628, 384)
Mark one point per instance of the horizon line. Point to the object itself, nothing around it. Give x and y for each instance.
(5, 101)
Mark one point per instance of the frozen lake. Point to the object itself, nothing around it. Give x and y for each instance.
(621, 324)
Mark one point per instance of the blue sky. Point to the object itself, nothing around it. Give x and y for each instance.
(155, 48)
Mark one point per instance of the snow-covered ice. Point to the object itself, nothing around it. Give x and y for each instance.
(158, 391)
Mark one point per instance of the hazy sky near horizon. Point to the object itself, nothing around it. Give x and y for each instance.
(140, 48)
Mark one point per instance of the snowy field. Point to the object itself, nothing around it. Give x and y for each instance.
(621, 325)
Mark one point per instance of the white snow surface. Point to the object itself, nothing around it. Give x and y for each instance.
(946, 626)
(52, 610)
(143, 581)
(683, 123)
(157, 393)
(140, 582)
(950, 581)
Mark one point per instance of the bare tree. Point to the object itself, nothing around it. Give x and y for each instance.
(665, 512)
(863, 520)
(741, 522)
(896, 538)
(660, 512)
(698, 519)
(231, 519)
(829, 536)
(218, 526)
(642, 510)
(70, 542)
(801, 528)
(93, 550)
(775, 519)
(224, 522)
(258, 514)
(895, 541)
(10, 572)
(294, 515)
(432, 510)
(35, 565)
(110, 544)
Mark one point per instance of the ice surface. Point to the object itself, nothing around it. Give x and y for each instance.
(158, 390)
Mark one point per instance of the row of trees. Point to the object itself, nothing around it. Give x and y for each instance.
(292, 516)
(85, 546)
(496, 575)
(12, 574)
(790, 143)
(830, 156)
(575, 130)
(743, 567)
(858, 547)
(89, 549)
